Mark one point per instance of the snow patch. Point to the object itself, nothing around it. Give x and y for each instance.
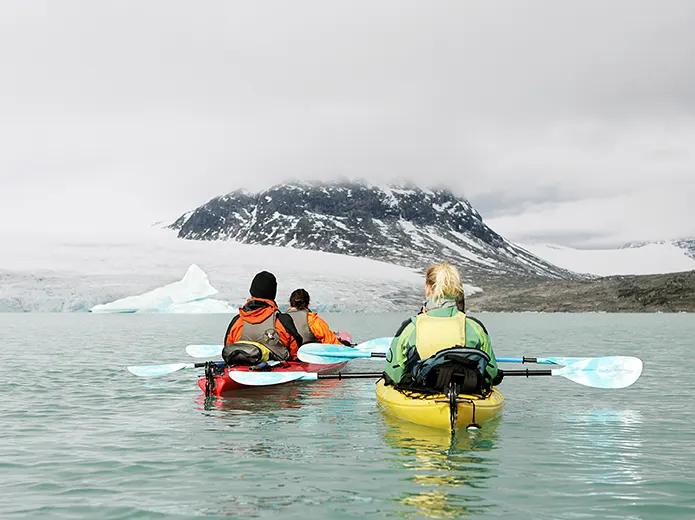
(655, 258)
(461, 250)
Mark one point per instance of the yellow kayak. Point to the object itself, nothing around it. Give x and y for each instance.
(433, 410)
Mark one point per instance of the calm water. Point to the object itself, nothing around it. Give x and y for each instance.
(82, 437)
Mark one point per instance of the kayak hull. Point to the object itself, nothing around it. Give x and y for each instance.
(433, 410)
(224, 385)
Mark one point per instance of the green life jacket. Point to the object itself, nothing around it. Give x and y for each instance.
(432, 332)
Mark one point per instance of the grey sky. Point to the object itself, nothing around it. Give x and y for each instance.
(572, 122)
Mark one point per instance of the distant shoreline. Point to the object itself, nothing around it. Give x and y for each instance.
(666, 293)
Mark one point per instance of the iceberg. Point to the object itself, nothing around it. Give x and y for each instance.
(190, 294)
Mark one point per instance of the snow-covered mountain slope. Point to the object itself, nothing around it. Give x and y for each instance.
(645, 258)
(76, 275)
(686, 244)
(404, 225)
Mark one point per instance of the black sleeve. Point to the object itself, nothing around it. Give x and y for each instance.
(478, 322)
(231, 324)
(288, 323)
(402, 327)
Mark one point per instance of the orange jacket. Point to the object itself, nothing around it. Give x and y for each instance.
(321, 330)
(256, 310)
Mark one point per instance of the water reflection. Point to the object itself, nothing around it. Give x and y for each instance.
(267, 399)
(255, 416)
(447, 477)
(606, 445)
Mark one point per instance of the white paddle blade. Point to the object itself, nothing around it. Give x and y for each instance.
(608, 372)
(204, 351)
(269, 378)
(376, 345)
(157, 370)
(326, 354)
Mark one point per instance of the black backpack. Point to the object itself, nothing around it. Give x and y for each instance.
(466, 367)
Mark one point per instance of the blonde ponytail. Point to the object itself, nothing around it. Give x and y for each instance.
(444, 281)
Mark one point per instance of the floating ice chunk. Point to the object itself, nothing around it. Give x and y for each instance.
(193, 287)
(206, 306)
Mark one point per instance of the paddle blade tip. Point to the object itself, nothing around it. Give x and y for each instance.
(155, 370)
(204, 351)
(268, 378)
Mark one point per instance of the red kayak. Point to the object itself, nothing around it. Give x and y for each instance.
(220, 384)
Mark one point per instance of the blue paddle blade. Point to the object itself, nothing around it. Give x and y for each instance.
(158, 370)
(270, 378)
(204, 351)
(603, 372)
(564, 360)
(326, 354)
(376, 345)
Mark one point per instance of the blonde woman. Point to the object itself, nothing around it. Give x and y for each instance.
(441, 325)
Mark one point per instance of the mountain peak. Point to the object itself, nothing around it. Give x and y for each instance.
(403, 224)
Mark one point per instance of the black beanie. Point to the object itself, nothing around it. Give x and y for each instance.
(264, 286)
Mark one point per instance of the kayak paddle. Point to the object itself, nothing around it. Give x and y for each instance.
(606, 372)
(276, 378)
(204, 351)
(601, 372)
(162, 370)
(324, 354)
(377, 344)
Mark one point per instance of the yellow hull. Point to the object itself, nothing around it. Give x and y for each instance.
(433, 410)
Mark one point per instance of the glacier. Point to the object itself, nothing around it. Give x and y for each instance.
(189, 295)
(81, 273)
(649, 258)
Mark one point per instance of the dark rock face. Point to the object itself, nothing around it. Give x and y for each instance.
(674, 292)
(687, 245)
(404, 225)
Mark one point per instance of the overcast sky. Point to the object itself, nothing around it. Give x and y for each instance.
(562, 121)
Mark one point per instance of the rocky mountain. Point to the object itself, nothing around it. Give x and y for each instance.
(672, 292)
(404, 225)
(687, 245)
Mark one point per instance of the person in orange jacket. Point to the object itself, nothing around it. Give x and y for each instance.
(312, 328)
(260, 321)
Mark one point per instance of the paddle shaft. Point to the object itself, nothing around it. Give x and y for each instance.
(351, 375)
(520, 360)
(528, 372)
(499, 360)
(349, 353)
(365, 375)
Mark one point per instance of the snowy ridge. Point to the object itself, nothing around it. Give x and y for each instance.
(636, 258)
(404, 225)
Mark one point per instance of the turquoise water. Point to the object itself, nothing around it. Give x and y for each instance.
(83, 438)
